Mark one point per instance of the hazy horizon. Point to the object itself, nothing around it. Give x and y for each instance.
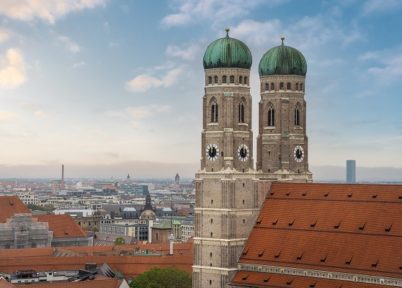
(155, 170)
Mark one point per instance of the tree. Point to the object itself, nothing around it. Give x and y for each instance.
(119, 241)
(162, 278)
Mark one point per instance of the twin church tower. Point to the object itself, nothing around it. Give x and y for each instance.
(229, 189)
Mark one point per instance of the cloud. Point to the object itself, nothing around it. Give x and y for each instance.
(187, 53)
(79, 64)
(381, 6)
(305, 33)
(40, 113)
(69, 44)
(4, 35)
(192, 11)
(5, 116)
(385, 65)
(141, 112)
(12, 69)
(46, 10)
(137, 113)
(144, 82)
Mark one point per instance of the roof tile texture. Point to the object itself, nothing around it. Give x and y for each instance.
(256, 279)
(333, 227)
(63, 226)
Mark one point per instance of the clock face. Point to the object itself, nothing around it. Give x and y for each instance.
(212, 152)
(298, 153)
(242, 152)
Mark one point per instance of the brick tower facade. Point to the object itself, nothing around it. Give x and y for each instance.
(226, 188)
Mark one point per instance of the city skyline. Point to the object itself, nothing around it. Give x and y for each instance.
(100, 84)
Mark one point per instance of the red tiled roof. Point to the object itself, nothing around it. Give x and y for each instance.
(5, 284)
(12, 260)
(257, 280)
(10, 205)
(331, 227)
(96, 283)
(63, 226)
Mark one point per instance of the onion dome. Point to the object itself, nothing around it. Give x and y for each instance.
(282, 60)
(227, 52)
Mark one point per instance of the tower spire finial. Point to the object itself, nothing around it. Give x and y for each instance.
(283, 39)
(227, 32)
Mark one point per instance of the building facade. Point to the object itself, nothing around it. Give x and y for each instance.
(228, 197)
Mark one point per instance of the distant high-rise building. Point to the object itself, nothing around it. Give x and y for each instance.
(177, 179)
(350, 171)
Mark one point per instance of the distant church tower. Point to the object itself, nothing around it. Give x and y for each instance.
(282, 144)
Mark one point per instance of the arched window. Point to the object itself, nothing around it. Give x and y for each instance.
(214, 112)
(297, 115)
(281, 86)
(297, 86)
(245, 80)
(272, 86)
(224, 79)
(231, 79)
(271, 116)
(301, 86)
(209, 80)
(266, 86)
(215, 79)
(240, 79)
(241, 112)
(289, 86)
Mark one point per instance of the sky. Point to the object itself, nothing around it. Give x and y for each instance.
(108, 87)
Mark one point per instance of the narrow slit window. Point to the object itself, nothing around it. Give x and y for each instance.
(271, 116)
(297, 115)
(214, 112)
(241, 112)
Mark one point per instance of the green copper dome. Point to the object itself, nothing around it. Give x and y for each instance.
(227, 52)
(283, 60)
